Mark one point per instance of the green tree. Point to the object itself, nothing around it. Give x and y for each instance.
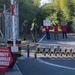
(27, 11)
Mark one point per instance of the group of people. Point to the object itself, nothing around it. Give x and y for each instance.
(55, 27)
(34, 28)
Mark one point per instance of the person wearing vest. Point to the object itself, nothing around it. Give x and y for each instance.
(47, 28)
(64, 31)
(55, 31)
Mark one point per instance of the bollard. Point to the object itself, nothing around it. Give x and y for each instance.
(27, 50)
(37, 49)
(71, 53)
(55, 53)
(49, 51)
(60, 52)
(44, 52)
(35, 55)
(65, 53)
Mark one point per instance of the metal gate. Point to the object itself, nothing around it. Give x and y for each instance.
(7, 23)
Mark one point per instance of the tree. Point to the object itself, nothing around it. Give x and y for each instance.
(27, 11)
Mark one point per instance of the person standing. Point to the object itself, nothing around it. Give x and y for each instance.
(24, 28)
(64, 30)
(33, 30)
(47, 28)
(56, 31)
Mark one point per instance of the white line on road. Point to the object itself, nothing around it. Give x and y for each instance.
(42, 38)
(56, 65)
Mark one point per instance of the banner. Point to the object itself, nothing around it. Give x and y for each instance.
(64, 23)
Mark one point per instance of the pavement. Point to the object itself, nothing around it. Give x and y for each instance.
(38, 68)
(45, 66)
(14, 71)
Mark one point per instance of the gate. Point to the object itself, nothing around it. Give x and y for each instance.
(7, 23)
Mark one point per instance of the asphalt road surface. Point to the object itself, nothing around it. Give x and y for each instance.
(51, 65)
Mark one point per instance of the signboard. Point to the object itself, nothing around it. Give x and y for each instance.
(46, 23)
(5, 59)
(64, 23)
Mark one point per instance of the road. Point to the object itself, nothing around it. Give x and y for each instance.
(47, 65)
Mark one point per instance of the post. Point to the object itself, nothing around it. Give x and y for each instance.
(49, 51)
(27, 50)
(35, 55)
(37, 49)
(71, 53)
(65, 53)
(44, 52)
(60, 52)
(55, 53)
(13, 23)
(14, 48)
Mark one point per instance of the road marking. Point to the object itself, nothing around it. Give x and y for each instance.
(42, 38)
(18, 69)
(56, 65)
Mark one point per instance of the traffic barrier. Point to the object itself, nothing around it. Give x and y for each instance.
(44, 52)
(71, 53)
(37, 50)
(18, 43)
(49, 52)
(54, 52)
(65, 52)
(60, 52)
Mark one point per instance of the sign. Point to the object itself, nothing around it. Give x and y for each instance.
(14, 49)
(5, 59)
(46, 23)
(64, 23)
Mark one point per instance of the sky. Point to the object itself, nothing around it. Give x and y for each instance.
(44, 1)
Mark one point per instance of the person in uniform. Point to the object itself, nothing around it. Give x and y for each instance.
(33, 30)
(24, 28)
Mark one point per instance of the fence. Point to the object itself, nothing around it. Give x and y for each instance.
(7, 23)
